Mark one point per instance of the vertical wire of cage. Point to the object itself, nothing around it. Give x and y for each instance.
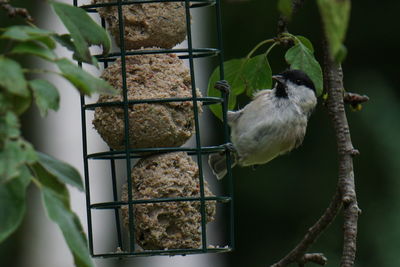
(127, 153)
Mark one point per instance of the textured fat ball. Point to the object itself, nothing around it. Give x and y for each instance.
(147, 25)
(166, 124)
(167, 225)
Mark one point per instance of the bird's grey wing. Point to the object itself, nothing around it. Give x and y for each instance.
(261, 93)
(233, 116)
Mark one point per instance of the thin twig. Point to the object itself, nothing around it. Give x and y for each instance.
(317, 258)
(354, 99)
(15, 11)
(282, 24)
(313, 233)
(333, 82)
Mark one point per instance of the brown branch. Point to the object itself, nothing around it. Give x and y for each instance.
(282, 24)
(333, 82)
(313, 233)
(317, 258)
(15, 11)
(354, 99)
(345, 194)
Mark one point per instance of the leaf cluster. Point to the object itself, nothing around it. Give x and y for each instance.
(253, 73)
(20, 87)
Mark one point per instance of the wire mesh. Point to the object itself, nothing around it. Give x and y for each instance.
(191, 54)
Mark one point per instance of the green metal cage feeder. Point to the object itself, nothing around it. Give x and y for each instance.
(126, 242)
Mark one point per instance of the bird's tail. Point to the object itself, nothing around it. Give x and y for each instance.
(217, 162)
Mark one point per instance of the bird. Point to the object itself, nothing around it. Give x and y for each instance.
(273, 123)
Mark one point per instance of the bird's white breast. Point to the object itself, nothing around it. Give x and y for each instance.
(266, 128)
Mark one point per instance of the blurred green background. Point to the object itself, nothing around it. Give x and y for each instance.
(277, 202)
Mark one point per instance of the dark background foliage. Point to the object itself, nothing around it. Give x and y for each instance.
(277, 202)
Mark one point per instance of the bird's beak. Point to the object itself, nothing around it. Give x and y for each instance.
(278, 78)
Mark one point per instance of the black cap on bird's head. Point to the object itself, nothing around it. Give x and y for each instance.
(297, 77)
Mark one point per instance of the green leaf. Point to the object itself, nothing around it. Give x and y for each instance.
(28, 33)
(33, 48)
(65, 40)
(243, 75)
(13, 203)
(257, 74)
(85, 82)
(46, 95)
(301, 58)
(307, 43)
(335, 15)
(84, 31)
(17, 104)
(233, 69)
(63, 171)
(285, 7)
(56, 200)
(12, 77)
(9, 126)
(14, 154)
(233, 74)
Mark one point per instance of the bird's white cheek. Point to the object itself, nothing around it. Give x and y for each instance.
(307, 101)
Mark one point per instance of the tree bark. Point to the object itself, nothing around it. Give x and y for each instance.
(333, 82)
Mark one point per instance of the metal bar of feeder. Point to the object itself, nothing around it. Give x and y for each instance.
(197, 127)
(165, 252)
(86, 167)
(115, 198)
(225, 96)
(113, 178)
(118, 154)
(116, 204)
(197, 53)
(197, 3)
(126, 125)
(207, 100)
(190, 53)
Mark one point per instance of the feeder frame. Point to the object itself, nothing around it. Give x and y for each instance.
(189, 53)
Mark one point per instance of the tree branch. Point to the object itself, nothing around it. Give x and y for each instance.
(299, 252)
(283, 21)
(354, 99)
(15, 11)
(317, 258)
(282, 24)
(345, 194)
(333, 82)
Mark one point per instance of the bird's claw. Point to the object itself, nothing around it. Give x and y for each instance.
(223, 86)
(230, 147)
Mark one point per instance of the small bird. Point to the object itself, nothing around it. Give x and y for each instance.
(272, 124)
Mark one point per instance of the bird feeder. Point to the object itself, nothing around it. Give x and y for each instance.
(163, 203)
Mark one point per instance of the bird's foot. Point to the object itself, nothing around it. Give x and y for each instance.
(230, 147)
(223, 86)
